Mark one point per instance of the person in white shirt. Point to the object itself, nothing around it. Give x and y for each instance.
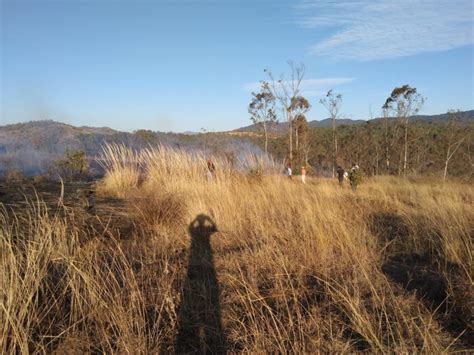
(303, 175)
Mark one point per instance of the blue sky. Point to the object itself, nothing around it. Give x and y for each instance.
(184, 65)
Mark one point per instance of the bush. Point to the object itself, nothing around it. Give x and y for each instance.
(73, 166)
(39, 179)
(160, 209)
(14, 176)
(255, 174)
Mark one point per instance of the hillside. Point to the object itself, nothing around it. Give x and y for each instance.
(325, 123)
(32, 147)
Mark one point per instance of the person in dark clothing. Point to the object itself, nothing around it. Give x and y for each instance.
(211, 166)
(354, 177)
(211, 170)
(340, 175)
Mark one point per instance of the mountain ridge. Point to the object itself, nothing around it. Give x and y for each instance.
(466, 116)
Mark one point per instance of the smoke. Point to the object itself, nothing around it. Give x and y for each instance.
(27, 161)
(33, 147)
(32, 105)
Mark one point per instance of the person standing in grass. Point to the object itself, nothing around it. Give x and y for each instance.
(340, 175)
(354, 177)
(289, 172)
(303, 175)
(211, 169)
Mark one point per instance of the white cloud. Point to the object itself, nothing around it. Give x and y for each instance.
(310, 87)
(375, 29)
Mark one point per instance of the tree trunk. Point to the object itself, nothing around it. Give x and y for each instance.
(400, 166)
(445, 174)
(334, 147)
(387, 159)
(266, 137)
(387, 148)
(297, 146)
(406, 148)
(290, 130)
(445, 170)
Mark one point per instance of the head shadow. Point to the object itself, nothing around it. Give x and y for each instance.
(199, 316)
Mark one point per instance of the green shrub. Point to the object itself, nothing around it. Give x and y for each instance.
(73, 166)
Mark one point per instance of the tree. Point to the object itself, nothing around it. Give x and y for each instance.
(288, 94)
(332, 102)
(146, 135)
(299, 106)
(390, 137)
(302, 142)
(262, 110)
(73, 165)
(404, 102)
(454, 137)
(375, 142)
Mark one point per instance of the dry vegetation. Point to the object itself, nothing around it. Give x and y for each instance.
(243, 263)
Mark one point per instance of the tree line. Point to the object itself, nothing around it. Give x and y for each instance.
(393, 145)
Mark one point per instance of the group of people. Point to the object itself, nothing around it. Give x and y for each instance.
(289, 173)
(353, 175)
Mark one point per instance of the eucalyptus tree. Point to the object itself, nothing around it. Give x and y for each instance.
(403, 103)
(332, 102)
(287, 92)
(303, 145)
(454, 136)
(262, 110)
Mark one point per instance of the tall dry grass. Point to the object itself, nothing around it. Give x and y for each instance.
(58, 294)
(300, 268)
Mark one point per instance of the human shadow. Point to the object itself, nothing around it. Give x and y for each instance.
(199, 319)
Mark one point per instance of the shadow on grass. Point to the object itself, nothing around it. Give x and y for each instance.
(425, 273)
(199, 319)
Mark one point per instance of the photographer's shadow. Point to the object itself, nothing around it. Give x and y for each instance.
(199, 318)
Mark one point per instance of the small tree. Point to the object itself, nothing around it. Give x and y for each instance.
(73, 165)
(302, 142)
(454, 137)
(332, 102)
(404, 102)
(262, 110)
(145, 135)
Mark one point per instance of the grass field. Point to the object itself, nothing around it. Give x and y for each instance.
(246, 262)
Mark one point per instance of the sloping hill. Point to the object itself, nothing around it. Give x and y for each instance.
(32, 147)
(283, 126)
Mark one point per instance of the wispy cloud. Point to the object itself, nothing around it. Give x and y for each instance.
(370, 29)
(310, 87)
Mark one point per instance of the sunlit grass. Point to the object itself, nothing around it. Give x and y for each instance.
(301, 268)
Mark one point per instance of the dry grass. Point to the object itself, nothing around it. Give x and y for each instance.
(287, 268)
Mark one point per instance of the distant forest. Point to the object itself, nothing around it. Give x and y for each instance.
(400, 142)
(377, 146)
